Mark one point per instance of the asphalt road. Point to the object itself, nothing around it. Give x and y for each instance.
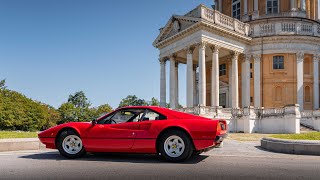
(236, 160)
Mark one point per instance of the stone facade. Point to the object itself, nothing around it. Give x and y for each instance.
(244, 53)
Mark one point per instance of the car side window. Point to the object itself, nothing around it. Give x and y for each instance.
(122, 117)
(151, 115)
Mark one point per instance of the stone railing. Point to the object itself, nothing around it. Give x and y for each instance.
(220, 19)
(301, 14)
(285, 27)
(272, 112)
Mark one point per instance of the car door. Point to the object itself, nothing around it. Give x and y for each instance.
(116, 134)
(149, 128)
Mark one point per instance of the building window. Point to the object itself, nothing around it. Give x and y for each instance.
(278, 62)
(272, 6)
(250, 65)
(307, 93)
(222, 69)
(251, 99)
(251, 76)
(236, 9)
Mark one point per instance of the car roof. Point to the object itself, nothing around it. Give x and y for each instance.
(167, 112)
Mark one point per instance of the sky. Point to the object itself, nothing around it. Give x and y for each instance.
(50, 49)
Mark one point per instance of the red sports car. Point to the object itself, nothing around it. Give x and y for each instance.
(140, 129)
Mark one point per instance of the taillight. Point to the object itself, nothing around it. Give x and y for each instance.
(223, 125)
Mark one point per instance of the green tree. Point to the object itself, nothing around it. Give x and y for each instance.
(79, 100)
(154, 102)
(103, 109)
(132, 100)
(17, 112)
(3, 84)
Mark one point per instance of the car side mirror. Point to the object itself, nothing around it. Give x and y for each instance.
(94, 122)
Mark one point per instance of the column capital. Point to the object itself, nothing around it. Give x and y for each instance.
(300, 56)
(316, 57)
(173, 56)
(257, 58)
(215, 48)
(190, 49)
(163, 60)
(247, 57)
(202, 44)
(235, 54)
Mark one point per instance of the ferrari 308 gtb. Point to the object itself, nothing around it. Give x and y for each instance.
(141, 129)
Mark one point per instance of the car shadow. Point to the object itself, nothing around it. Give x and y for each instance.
(112, 157)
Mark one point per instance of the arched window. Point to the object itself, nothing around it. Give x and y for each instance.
(278, 93)
(307, 96)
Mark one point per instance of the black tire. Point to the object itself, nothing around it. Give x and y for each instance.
(188, 150)
(60, 140)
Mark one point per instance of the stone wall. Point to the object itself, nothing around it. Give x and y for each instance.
(251, 120)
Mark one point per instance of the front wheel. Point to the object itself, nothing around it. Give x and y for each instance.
(70, 145)
(175, 146)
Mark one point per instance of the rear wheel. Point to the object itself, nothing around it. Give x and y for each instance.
(70, 145)
(175, 146)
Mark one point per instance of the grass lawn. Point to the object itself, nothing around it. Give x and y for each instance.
(303, 136)
(17, 134)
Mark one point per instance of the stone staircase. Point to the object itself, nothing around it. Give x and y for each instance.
(305, 128)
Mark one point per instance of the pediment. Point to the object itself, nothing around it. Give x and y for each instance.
(174, 26)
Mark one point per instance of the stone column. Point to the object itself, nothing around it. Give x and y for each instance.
(190, 80)
(220, 5)
(256, 80)
(300, 58)
(215, 76)
(256, 9)
(245, 77)
(202, 74)
(176, 71)
(316, 58)
(235, 80)
(245, 7)
(163, 95)
(230, 84)
(173, 82)
(195, 86)
(292, 5)
(302, 5)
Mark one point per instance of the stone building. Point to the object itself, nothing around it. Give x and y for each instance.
(245, 53)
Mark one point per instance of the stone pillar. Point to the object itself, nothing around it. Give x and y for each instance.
(235, 81)
(202, 74)
(245, 77)
(256, 80)
(245, 7)
(215, 76)
(163, 95)
(173, 82)
(300, 58)
(292, 5)
(230, 85)
(302, 5)
(176, 71)
(195, 86)
(190, 80)
(220, 5)
(256, 9)
(316, 58)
